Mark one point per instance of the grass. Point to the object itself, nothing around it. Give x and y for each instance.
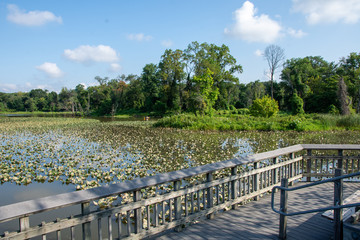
(226, 120)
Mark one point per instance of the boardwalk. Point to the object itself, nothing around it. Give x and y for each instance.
(256, 220)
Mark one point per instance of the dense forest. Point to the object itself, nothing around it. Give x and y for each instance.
(202, 78)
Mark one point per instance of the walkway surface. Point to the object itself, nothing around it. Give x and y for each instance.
(256, 220)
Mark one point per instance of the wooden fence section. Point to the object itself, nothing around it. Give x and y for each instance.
(146, 206)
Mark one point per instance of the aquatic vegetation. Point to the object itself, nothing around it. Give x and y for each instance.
(87, 153)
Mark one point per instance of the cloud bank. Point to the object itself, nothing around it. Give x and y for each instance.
(86, 53)
(328, 11)
(31, 18)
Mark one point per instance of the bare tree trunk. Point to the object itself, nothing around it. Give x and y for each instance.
(343, 97)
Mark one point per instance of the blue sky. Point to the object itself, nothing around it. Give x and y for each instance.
(54, 44)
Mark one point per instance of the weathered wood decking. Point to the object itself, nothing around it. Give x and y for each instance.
(256, 220)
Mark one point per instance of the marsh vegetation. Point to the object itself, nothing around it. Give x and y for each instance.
(83, 153)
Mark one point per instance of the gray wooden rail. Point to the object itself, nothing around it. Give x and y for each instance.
(146, 206)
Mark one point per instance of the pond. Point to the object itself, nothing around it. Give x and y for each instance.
(42, 156)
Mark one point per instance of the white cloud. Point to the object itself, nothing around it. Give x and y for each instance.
(139, 37)
(253, 28)
(167, 43)
(31, 18)
(296, 33)
(8, 87)
(51, 69)
(115, 67)
(328, 11)
(259, 53)
(86, 53)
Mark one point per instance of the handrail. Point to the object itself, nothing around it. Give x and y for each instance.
(199, 200)
(310, 185)
(13, 211)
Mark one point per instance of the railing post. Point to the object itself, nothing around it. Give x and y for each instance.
(308, 166)
(137, 212)
(24, 223)
(338, 200)
(210, 194)
(234, 187)
(340, 160)
(283, 208)
(86, 228)
(177, 205)
(256, 181)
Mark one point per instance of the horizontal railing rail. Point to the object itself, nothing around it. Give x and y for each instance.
(146, 206)
(307, 186)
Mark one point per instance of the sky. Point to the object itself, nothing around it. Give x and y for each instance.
(54, 44)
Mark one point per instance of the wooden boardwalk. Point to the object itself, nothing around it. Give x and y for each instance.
(256, 220)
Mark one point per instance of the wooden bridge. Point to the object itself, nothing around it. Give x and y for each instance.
(166, 202)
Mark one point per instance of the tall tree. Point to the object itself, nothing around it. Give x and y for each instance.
(350, 70)
(274, 56)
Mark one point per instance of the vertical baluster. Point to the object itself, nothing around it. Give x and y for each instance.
(223, 192)
(316, 164)
(163, 212)
(217, 195)
(156, 215)
(148, 217)
(86, 228)
(256, 185)
(248, 183)
(170, 210)
(340, 159)
(352, 166)
(275, 172)
(192, 203)
(186, 205)
(43, 237)
(109, 228)
(322, 165)
(240, 188)
(204, 198)
(327, 166)
(308, 166)
(128, 224)
(177, 204)
(244, 185)
(198, 200)
(72, 231)
(99, 229)
(233, 186)
(119, 218)
(210, 194)
(137, 212)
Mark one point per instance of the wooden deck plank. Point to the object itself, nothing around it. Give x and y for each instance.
(256, 220)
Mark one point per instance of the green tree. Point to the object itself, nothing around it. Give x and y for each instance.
(264, 107)
(151, 85)
(207, 90)
(172, 73)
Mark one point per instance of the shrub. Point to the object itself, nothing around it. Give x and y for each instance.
(264, 107)
(297, 104)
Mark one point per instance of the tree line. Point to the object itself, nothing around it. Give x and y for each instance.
(203, 78)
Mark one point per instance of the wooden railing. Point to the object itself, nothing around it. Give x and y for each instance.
(147, 206)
